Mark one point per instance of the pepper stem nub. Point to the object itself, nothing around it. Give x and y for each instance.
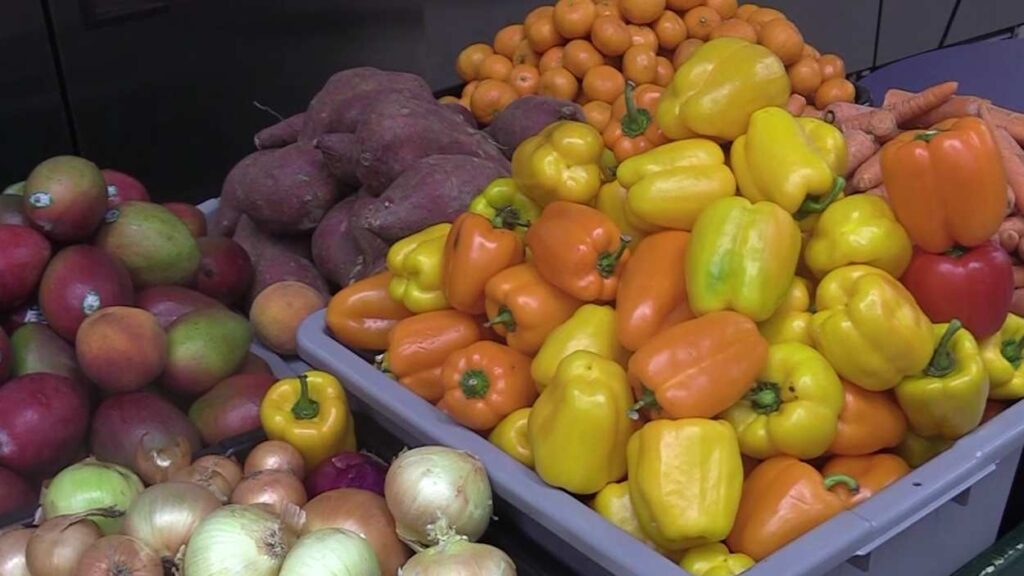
(647, 400)
(305, 408)
(508, 218)
(765, 397)
(608, 261)
(474, 384)
(636, 120)
(847, 481)
(504, 317)
(812, 205)
(942, 362)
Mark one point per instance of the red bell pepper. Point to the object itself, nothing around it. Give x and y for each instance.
(974, 285)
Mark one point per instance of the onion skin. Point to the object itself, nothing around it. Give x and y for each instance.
(104, 490)
(218, 474)
(331, 552)
(238, 541)
(364, 513)
(275, 455)
(156, 464)
(347, 470)
(274, 488)
(16, 494)
(12, 551)
(460, 558)
(59, 543)
(164, 516)
(119, 556)
(121, 421)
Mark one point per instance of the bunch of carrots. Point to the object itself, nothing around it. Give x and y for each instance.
(588, 51)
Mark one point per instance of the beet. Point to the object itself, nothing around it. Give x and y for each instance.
(347, 470)
(230, 408)
(225, 270)
(123, 188)
(5, 357)
(16, 494)
(43, 419)
(80, 280)
(192, 217)
(36, 348)
(66, 198)
(11, 211)
(121, 421)
(22, 261)
(168, 303)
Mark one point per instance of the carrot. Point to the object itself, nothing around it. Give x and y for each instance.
(1012, 122)
(879, 191)
(859, 147)
(868, 175)
(838, 112)
(812, 112)
(923, 102)
(879, 123)
(796, 104)
(1011, 153)
(894, 95)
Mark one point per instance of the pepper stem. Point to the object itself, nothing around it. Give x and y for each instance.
(608, 261)
(508, 218)
(765, 397)
(848, 481)
(504, 317)
(956, 251)
(1012, 350)
(817, 205)
(927, 135)
(474, 384)
(305, 408)
(942, 362)
(647, 400)
(636, 120)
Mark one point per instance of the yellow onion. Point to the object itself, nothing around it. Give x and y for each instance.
(275, 455)
(156, 464)
(275, 488)
(331, 552)
(119, 556)
(165, 515)
(457, 557)
(434, 491)
(239, 541)
(218, 474)
(58, 544)
(12, 551)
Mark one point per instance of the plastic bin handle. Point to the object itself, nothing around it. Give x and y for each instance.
(925, 510)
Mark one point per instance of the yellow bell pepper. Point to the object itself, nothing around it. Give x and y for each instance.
(613, 503)
(714, 93)
(715, 560)
(860, 229)
(311, 413)
(592, 328)
(797, 163)
(562, 162)
(505, 206)
(916, 450)
(685, 481)
(416, 263)
(1002, 354)
(870, 328)
(672, 184)
(611, 200)
(742, 257)
(792, 320)
(511, 436)
(579, 426)
(794, 407)
(948, 399)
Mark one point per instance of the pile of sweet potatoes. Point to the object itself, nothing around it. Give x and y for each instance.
(375, 157)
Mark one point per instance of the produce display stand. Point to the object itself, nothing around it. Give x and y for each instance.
(1004, 558)
(927, 524)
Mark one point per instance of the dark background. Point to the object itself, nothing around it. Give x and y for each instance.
(164, 89)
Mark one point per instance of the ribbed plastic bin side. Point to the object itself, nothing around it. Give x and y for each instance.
(927, 524)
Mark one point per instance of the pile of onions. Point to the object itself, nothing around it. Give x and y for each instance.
(91, 485)
(218, 474)
(239, 540)
(273, 488)
(457, 557)
(165, 515)
(347, 470)
(119, 556)
(364, 513)
(435, 492)
(12, 551)
(59, 543)
(331, 552)
(275, 455)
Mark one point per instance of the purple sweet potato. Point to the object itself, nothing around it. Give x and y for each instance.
(281, 134)
(342, 102)
(341, 154)
(250, 237)
(342, 251)
(397, 132)
(285, 190)
(528, 116)
(462, 113)
(277, 259)
(434, 190)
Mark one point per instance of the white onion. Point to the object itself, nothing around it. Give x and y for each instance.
(239, 541)
(457, 557)
(92, 485)
(12, 551)
(164, 516)
(434, 492)
(331, 552)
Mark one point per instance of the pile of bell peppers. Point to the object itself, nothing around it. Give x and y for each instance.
(710, 341)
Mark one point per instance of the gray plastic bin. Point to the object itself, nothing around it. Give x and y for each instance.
(928, 524)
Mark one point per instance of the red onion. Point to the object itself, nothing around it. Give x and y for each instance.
(347, 470)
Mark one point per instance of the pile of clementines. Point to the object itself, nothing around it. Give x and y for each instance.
(587, 50)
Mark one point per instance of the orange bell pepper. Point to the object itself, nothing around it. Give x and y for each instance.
(644, 307)
(485, 382)
(783, 498)
(869, 422)
(632, 129)
(474, 252)
(946, 185)
(992, 409)
(419, 345)
(524, 308)
(578, 249)
(698, 368)
(362, 314)
(872, 473)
